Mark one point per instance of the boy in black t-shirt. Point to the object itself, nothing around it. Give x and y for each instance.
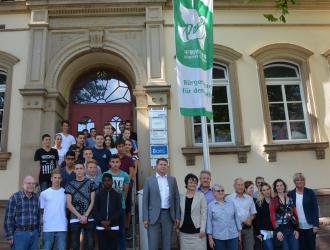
(46, 159)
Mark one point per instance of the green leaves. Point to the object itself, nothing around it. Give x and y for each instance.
(283, 7)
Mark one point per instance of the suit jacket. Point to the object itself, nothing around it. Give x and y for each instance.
(151, 206)
(198, 210)
(310, 205)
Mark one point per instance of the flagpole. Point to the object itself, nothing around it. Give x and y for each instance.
(206, 152)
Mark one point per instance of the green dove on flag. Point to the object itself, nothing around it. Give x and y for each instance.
(193, 21)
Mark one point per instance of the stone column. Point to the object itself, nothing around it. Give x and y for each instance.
(155, 47)
(34, 92)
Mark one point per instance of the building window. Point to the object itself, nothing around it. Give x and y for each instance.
(115, 121)
(286, 102)
(220, 129)
(101, 87)
(85, 123)
(3, 79)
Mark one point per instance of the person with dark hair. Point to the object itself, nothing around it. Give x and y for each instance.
(101, 154)
(121, 183)
(284, 218)
(67, 139)
(76, 150)
(161, 206)
(308, 212)
(22, 218)
(110, 144)
(80, 138)
(46, 159)
(86, 134)
(263, 225)
(129, 126)
(193, 216)
(67, 170)
(126, 136)
(223, 222)
(106, 210)
(60, 150)
(80, 196)
(249, 188)
(53, 205)
(90, 141)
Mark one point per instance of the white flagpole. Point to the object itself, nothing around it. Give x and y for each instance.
(206, 152)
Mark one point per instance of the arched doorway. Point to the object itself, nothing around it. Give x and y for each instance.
(98, 96)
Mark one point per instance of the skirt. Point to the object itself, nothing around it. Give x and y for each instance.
(192, 242)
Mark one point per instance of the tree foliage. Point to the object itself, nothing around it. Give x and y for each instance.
(283, 7)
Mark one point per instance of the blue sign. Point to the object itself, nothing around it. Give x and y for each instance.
(158, 149)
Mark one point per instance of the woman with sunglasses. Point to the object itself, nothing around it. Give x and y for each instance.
(264, 227)
(223, 224)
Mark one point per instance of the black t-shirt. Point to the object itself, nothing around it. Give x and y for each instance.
(47, 161)
(188, 226)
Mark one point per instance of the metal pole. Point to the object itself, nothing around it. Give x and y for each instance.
(206, 152)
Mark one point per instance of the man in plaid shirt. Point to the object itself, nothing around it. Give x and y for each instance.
(22, 217)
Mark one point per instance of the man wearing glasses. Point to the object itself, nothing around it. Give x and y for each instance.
(22, 217)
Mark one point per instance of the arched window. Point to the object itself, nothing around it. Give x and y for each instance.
(221, 128)
(100, 87)
(286, 102)
(115, 121)
(85, 123)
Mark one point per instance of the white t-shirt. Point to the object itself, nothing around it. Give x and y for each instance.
(54, 204)
(303, 224)
(61, 155)
(67, 141)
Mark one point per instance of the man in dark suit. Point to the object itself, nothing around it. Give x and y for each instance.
(161, 206)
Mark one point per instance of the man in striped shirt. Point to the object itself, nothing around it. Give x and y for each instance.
(22, 217)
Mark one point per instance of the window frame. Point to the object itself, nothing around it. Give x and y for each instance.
(285, 81)
(7, 62)
(225, 82)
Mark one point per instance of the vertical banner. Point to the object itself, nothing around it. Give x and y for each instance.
(193, 21)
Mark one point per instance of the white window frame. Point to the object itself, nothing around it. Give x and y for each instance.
(285, 81)
(2, 90)
(220, 83)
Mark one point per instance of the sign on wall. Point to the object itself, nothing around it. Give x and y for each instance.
(158, 134)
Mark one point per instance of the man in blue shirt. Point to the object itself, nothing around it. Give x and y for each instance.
(22, 218)
(101, 154)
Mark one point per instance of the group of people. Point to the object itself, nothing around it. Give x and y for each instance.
(270, 218)
(81, 187)
(85, 189)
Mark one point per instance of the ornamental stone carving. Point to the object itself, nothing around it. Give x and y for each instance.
(96, 38)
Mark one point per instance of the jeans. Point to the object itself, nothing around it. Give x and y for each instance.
(289, 242)
(88, 235)
(108, 239)
(26, 240)
(307, 239)
(231, 244)
(58, 239)
(268, 244)
(122, 234)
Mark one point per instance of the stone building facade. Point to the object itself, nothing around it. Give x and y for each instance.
(46, 46)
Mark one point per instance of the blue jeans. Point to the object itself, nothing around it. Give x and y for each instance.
(289, 242)
(268, 244)
(26, 240)
(231, 244)
(58, 239)
(122, 234)
(88, 230)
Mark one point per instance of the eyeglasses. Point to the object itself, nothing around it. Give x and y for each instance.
(220, 190)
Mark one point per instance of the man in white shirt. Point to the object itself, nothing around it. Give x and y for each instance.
(53, 206)
(161, 206)
(67, 139)
(246, 212)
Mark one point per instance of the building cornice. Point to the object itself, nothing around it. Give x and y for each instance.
(13, 7)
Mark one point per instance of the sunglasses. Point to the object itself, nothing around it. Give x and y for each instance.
(220, 190)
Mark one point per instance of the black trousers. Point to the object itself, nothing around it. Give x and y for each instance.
(307, 239)
(108, 239)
